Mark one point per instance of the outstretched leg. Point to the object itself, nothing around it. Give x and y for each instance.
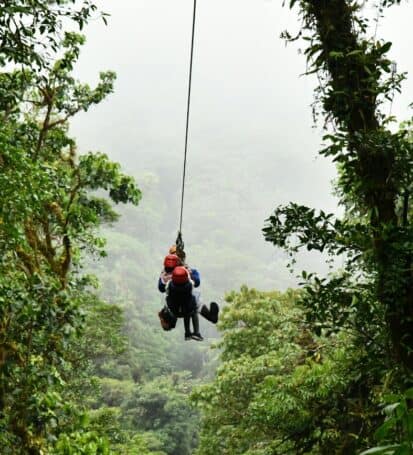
(211, 313)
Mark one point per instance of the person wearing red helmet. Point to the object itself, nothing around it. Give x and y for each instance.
(180, 275)
(170, 262)
(181, 301)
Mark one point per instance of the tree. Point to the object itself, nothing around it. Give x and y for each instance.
(50, 213)
(281, 389)
(30, 30)
(162, 408)
(375, 172)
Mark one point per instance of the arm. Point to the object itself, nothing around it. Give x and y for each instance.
(195, 277)
(161, 285)
(163, 281)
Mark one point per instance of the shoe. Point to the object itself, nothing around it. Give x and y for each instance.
(188, 336)
(214, 308)
(197, 337)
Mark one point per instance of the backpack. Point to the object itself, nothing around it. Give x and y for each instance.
(167, 318)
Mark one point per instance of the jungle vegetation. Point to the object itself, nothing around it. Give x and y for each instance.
(329, 369)
(84, 367)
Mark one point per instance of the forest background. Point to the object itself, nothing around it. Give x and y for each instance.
(248, 105)
(245, 155)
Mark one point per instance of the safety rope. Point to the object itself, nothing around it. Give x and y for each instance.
(179, 239)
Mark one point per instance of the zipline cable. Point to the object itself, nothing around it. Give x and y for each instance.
(187, 125)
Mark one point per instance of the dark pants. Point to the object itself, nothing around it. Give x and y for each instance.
(195, 323)
(182, 308)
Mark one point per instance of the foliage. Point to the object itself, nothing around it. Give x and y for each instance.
(137, 409)
(88, 443)
(161, 407)
(48, 219)
(371, 296)
(99, 382)
(70, 381)
(375, 235)
(397, 426)
(280, 389)
(30, 30)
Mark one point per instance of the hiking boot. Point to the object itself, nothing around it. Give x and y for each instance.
(188, 336)
(214, 310)
(197, 337)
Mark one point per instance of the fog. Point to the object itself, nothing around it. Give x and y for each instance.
(253, 143)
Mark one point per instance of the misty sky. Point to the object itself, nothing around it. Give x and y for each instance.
(247, 95)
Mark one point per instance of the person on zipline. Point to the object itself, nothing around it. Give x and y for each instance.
(181, 301)
(176, 257)
(172, 261)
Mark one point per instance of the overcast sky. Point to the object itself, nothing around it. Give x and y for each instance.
(246, 87)
(247, 92)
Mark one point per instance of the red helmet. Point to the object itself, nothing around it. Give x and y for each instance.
(180, 275)
(171, 261)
